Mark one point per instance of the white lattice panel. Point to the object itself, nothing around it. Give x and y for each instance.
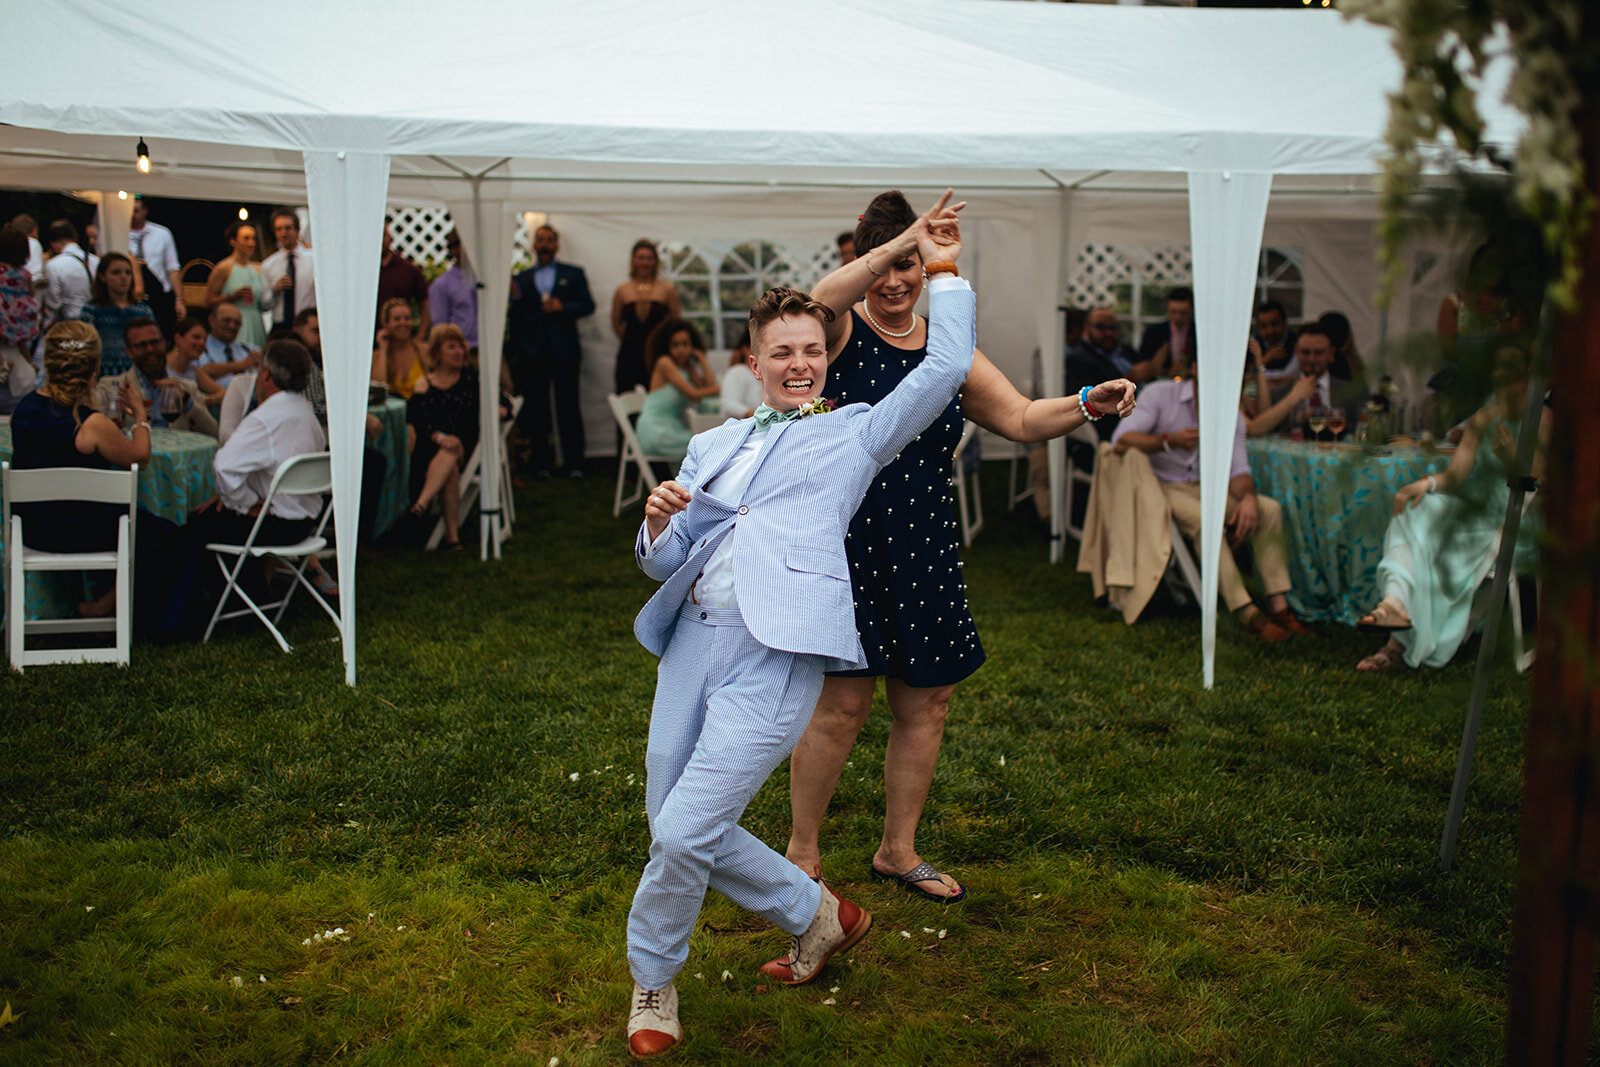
(419, 235)
(1098, 270)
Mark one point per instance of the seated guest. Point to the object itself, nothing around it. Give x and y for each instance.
(1175, 335)
(397, 359)
(1313, 356)
(1441, 541)
(679, 377)
(741, 392)
(19, 319)
(308, 331)
(1262, 413)
(281, 427)
(1165, 426)
(186, 359)
(1347, 362)
(171, 402)
(1275, 341)
(58, 427)
(115, 302)
(225, 356)
(1101, 356)
(442, 418)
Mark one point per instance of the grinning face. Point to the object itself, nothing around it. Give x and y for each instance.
(895, 294)
(1314, 352)
(399, 323)
(790, 360)
(225, 323)
(147, 350)
(191, 344)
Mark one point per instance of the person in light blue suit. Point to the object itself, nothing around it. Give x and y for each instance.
(754, 607)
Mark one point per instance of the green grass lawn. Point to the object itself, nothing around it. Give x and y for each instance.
(1158, 873)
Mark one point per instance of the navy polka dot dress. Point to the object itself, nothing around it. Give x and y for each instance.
(911, 600)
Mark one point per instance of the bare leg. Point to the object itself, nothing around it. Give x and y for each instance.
(99, 608)
(452, 504)
(817, 761)
(441, 470)
(908, 766)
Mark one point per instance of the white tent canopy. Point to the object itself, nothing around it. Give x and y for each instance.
(1025, 105)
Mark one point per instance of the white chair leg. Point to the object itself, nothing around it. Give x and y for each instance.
(16, 596)
(124, 592)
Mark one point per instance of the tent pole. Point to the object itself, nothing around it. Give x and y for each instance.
(1527, 442)
(1052, 368)
(489, 505)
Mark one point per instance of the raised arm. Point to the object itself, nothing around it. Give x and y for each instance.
(849, 283)
(990, 400)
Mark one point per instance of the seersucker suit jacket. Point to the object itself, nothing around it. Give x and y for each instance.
(789, 568)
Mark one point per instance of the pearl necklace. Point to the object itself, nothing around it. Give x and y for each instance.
(885, 330)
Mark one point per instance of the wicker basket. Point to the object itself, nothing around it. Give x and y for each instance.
(194, 293)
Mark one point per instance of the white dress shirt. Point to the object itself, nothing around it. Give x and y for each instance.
(282, 427)
(714, 587)
(153, 243)
(276, 266)
(35, 264)
(217, 352)
(741, 393)
(69, 283)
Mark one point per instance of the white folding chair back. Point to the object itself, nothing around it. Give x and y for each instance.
(508, 500)
(1077, 475)
(1522, 655)
(307, 474)
(625, 407)
(968, 502)
(700, 422)
(68, 484)
(471, 484)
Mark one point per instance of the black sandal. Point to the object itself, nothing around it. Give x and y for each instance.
(451, 546)
(910, 882)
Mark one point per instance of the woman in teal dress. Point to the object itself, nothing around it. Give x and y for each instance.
(679, 377)
(236, 280)
(1442, 539)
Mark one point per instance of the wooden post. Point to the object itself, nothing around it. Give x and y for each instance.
(1554, 922)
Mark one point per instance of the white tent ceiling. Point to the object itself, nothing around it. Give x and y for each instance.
(398, 99)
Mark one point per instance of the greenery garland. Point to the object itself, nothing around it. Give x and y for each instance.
(1444, 47)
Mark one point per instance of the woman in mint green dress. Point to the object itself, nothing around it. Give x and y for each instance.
(1442, 539)
(236, 280)
(679, 377)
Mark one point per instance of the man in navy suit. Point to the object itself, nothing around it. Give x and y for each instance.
(547, 300)
(1170, 343)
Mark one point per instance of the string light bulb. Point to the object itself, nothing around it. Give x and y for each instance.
(122, 194)
(143, 162)
(244, 214)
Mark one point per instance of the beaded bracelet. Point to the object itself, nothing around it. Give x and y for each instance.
(1087, 408)
(868, 257)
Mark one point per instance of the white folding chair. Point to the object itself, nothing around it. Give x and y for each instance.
(1077, 475)
(1522, 656)
(68, 484)
(508, 503)
(700, 422)
(969, 503)
(625, 407)
(471, 484)
(303, 475)
(1183, 574)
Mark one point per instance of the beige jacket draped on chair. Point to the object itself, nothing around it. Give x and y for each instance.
(1127, 531)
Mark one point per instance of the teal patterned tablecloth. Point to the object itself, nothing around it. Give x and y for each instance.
(1336, 503)
(178, 479)
(392, 442)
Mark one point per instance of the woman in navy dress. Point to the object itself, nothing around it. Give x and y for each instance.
(911, 601)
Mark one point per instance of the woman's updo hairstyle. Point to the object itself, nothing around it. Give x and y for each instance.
(887, 216)
(71, 361)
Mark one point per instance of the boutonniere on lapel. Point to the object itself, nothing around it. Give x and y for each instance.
(820, 406)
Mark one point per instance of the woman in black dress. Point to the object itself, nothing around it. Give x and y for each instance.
(442, 420)
(638, 306)
(911, 603)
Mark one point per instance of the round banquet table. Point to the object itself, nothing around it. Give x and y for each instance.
(178, 478)
(1337, 502)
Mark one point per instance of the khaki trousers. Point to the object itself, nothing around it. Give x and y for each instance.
(1271, 564)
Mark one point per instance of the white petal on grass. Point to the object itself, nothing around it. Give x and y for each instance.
(905, 933)
(338, 929)
(700, 976)
(830, 1000)
(88, 907)
(238, 982)
(726, 975)
(261, 978)
(1036, 896)
(942, 933)
(927, 929)
(1002, 761)
(555, 1061)
(835, 989)
(573, 777)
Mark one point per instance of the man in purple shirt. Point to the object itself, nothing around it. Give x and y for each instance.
(1165, 426)
(453, 296)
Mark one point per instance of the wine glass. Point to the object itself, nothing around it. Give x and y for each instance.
(1318, 421)
(170, 402)
(1336, 422)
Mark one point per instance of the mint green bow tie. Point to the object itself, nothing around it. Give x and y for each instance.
(766, 416)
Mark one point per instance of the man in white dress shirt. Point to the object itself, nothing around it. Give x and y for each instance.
(153, 246)
(287, 273)
(282, 426)
(69, 276)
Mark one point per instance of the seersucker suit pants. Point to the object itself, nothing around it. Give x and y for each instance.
(727, 711)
